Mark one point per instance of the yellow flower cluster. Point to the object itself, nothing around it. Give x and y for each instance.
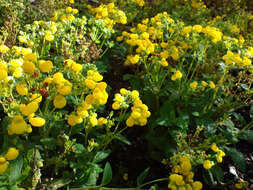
(198, 4)
(109, 14)
(193, 85)
(182, 176)
(97, 96)
(141, 3)
(207, 164)
(176, 75)
(65, 15)
(11, 154)
(235, 59)
(139, 112)
(220, 154)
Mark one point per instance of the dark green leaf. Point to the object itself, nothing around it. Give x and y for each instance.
(122, 139)
(217, 172)
(208, 177)
(50, 143)
(251, 112)
(16, 170)
(246, 135)
(107, 175)
(237, 158)
(142, 176)
(100, 156)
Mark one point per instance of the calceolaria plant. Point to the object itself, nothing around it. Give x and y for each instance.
(55, 117)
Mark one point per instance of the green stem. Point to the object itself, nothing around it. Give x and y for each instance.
(248, 126)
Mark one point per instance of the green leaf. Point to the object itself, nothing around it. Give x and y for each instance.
(251, 112)
(101, 155)
(107, 175)
(246, 135)
(79, 148)
(208, 177)
(196, 114)
(122, 139)
(142, 176)
(16, 170)
(217, 172)
(237, 158)
(228, 123)
(245, 86)
(50, 143)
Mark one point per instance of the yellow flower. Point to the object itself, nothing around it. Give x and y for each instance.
(28, 67)
(12, 154)
(3, 166)
(68, 9)
(93, 120)
(3, 75)
(72, 1)
(115, 106)
(204, 84)
(48, 36)
(197, 185)
(74, 11)
(18, 125)
(214, 147)
(178, 179)
(29, 109)
(30, 57)
(59, 101)
(36, 98)
(76, 67)
(208, 164)
(193, 85)
(123, 91)
(164, 54)
(197, 28)
(3, 49)
(164, 63)
(178, 74)
(58, 77)
(135, 94)
(65, 88)
(90, 83)
(211, 84)
(45, 66)
(22, 89)
(37, 121)
(102, 121)
(130, 122)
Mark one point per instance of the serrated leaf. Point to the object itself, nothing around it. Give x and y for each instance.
(101, 155)
(107, 175)
(246, 135)
(237, 158)
(122, 139)
(16, 170)
(142, 176)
